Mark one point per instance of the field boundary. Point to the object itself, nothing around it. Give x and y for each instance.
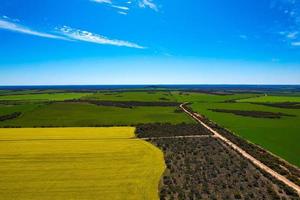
(253, 160)
(178, 137)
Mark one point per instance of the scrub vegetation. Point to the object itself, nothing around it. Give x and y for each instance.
(203, 168)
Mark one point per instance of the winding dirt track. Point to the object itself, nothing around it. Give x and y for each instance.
(244, 153)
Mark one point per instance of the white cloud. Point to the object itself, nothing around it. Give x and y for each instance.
(120, 7)
(295, 44)
(291, 10)
(86, 36)
(125, 5)
(25, 30)
(148, 3)
(67, 33)
(102, 1)
(122, 13)
(292, 35)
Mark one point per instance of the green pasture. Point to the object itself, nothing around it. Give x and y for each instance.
(23, 108)
(280, 136)
(203, 97)
(272, 99)
(43, 97)
(84, 114)
(149, 96)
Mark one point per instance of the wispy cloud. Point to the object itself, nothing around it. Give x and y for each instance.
(148, 3)
(81, 35)
(292, 35)
(120, 7)
(126, 5)
(291, 10)
(122, 13)
(10, 26)
(68, 34)
(102, 1)
(295, 44)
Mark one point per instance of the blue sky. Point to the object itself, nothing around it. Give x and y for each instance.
(149, 42)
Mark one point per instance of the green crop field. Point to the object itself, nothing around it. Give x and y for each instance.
(43, 97)
(280, 136)
(272, 99)
(202, 97)
(7, 109)
(131, 96)
(84, 114)
(78, 163)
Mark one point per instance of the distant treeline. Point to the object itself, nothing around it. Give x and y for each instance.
(10, 116)
(169, 130)
(124, 104)
(221, 93)
(256, 114)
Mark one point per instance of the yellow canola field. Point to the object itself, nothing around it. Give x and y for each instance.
(78, 163)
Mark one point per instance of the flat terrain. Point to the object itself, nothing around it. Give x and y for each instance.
(268, 121)
(278, 135)
(272, 99)
(78, 163)
(203, 168)
(43, 97)
(149, 96)
(204, 97)
(85, 114)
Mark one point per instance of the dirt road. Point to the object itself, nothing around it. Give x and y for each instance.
(244, 153)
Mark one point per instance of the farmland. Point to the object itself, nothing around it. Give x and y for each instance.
(273, 125)
(78, 163)
(147, 96)
(280, 136)
(202, 168)
(43, 97)
(272, 99)
(204, 97)
(84, 114)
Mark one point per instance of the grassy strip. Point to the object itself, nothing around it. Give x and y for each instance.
(289, 105)
(272, 99)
